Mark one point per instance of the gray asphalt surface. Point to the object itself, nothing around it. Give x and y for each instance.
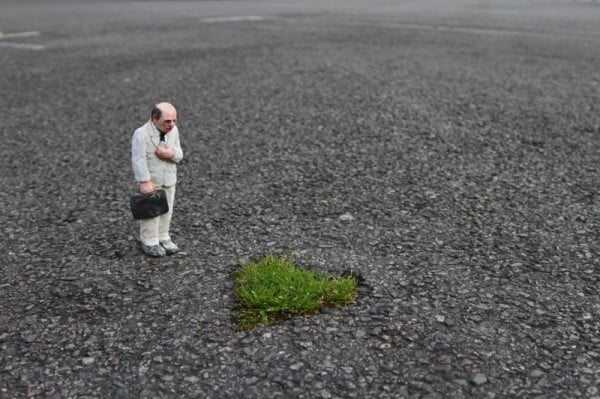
(446, 152)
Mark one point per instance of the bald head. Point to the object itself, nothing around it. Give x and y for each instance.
(164, 117)
(159, 108)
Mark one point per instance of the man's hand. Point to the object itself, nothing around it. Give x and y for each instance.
(147, 187)
(166, 154)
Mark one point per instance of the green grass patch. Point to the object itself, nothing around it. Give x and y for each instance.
(272, 289)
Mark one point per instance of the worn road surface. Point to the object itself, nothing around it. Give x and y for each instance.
(447, 152)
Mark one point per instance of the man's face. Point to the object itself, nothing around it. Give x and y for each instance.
(167, 120)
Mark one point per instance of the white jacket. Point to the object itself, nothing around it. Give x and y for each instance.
(146, 165)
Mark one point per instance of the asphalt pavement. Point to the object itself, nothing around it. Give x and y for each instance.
(446, 152)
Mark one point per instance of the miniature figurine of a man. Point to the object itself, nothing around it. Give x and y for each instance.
(155, 151)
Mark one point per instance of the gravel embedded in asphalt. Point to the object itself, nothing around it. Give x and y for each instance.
(457, 177)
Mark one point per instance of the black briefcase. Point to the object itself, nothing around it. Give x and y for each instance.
(149, 205)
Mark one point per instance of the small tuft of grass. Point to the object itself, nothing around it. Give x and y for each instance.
(272, 289)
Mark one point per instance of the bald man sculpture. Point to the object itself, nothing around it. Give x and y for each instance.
(155, 150)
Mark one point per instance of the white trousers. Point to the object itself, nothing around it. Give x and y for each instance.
(154, 230)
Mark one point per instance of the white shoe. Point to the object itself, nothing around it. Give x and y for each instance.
(170, 247)
(155, 251)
